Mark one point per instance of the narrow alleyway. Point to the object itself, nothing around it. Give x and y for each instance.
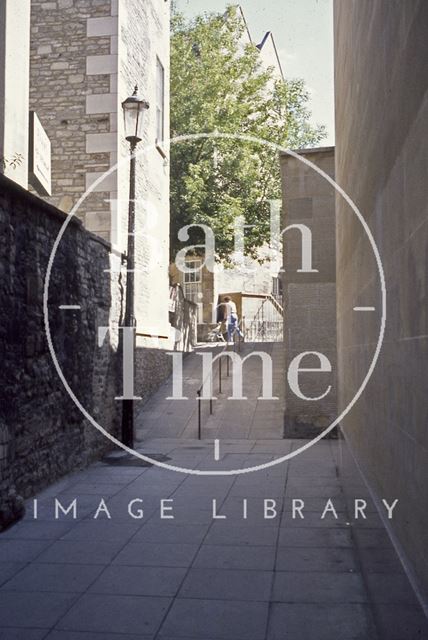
(250, 419)
(239, 576)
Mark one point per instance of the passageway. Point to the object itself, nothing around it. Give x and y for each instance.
(155, 554)
(250, 418)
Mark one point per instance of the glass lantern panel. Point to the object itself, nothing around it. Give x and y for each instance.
(139, 123)
(130, 114)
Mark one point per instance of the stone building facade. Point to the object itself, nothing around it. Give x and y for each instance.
(310, 298)
(381, 53)
(14, 71)
(86, 58)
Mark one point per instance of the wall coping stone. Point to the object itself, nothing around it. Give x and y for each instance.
(9, 187)
(302, 152)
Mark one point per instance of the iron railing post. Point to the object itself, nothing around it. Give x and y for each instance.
(199, 416)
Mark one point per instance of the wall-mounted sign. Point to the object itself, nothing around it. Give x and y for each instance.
(39, 157)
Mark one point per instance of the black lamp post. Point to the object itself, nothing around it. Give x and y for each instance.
(134, 109)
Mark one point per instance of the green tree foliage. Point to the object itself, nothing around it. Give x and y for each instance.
(218, 84)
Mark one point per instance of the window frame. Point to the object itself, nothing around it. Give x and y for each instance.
(160, 106)
(194, 277)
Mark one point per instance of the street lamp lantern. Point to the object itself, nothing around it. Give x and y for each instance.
(134, 109)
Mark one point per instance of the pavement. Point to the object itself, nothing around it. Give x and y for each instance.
(121, 571)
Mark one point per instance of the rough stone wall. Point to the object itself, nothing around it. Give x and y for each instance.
(184, 318)
(310, 298)
(381, 49)
(152, 368)
(42, 433)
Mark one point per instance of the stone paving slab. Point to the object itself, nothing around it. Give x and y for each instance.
(316, 559)
(116, 614)
(237, 576)
(320, 537)
(9, 569)
(236, 557)
(227, 584)
(233, 620)
(140, 581)
(54, 578)
(23, 634)
(80, 552)
(318, 587)
(18, 551)
(33, 609)
(234, 577)
(221, 533)
(154, 554)
(35, 530)
(398, 621)
(321, 622)
(79, 635)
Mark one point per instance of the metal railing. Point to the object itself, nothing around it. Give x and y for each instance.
(267, 324)
(219, 376)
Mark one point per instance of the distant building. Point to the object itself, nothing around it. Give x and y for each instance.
(310, 298)
(206, 288)
(267, 46)
(86, 58)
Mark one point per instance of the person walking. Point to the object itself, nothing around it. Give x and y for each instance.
(232, 320)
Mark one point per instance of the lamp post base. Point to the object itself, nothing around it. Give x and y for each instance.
(128, 423)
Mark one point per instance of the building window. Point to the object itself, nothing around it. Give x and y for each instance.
(160, 102)
(193, 285)
(195, 275)
(277, 289)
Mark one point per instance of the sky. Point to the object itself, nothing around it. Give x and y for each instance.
(303, 32)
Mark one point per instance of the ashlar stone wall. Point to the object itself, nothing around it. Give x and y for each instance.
(143, 46)
(310, 298)
(381, 53)
(86, 58)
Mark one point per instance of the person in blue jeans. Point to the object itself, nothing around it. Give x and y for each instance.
(231, 319)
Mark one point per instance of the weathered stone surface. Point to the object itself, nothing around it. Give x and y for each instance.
(183, 317)
(59, 90)
(97, 56)
(310, 298)
(152, 367)
(43, 434)
(381, 53)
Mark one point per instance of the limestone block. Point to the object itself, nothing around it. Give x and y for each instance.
(101, 103)
(101, 26)
(101, 64)
(108, 184)
(44, 49)
(100, 142)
